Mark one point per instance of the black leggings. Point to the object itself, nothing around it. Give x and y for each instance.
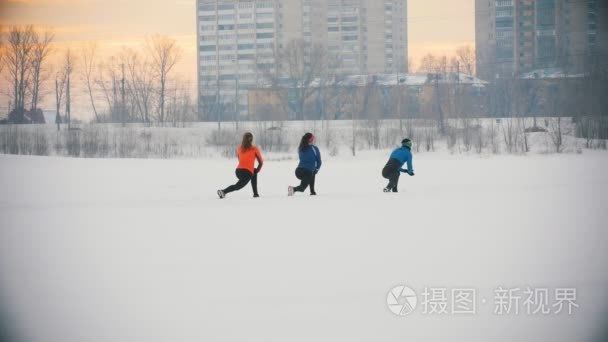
(391, 171)
(306, 178)
(244, 177)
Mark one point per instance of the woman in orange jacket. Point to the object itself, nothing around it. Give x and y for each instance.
(246, 171)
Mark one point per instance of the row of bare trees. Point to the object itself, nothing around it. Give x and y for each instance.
(136, 85)
(24, 53)
(462, 61)
(305, 73)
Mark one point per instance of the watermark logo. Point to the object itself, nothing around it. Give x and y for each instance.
(401, 300)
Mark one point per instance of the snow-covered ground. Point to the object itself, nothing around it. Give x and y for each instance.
(142, 250)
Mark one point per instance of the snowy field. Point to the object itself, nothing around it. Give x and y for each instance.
(124, 250)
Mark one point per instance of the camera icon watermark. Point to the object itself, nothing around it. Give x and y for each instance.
(401, 300)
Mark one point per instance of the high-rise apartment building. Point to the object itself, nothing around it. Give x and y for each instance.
(238, 40)
(369, 36)
(518, 36)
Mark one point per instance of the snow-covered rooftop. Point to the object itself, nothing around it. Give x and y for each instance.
(416, 79)
(550, 73)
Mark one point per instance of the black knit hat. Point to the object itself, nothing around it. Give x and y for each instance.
(406, 143)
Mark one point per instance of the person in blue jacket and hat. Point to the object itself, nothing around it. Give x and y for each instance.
(394, 167)
(309, 166)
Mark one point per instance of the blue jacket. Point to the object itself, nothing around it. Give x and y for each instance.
(403, 155)
(310, 158)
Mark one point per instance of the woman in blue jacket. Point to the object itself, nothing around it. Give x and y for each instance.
(310, 163)
(393, 168)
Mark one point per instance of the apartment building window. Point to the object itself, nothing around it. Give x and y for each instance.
(245, 5)
(246, 16)
(333, 29)
(264, 25)
(333, 20)
(247, 57)
(208, 18)
(504, 23)
(208, 38)
(223, 7)
(225, 17)
(246, 26)
(207, 7)
(349, 38)
(246, 46)
(265, 55)
(207, 27)
(229, 77)
(504, 34)
(265, 66)
(266, 46)
(246, 77)
(226, 47)
(265, 15)
(504, 53)
(265, 35)
(504, 3)
(245, 36)
(208, 58)
(504, 13)
(349, 19)
(227, 57)
(208, 48)
(265, 5)
(225, 27)
(350, 28)
(227, 37)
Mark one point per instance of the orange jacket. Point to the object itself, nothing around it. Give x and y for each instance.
(247, 158)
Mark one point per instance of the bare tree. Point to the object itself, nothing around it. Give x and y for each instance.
(180, 109)
(68, 68)
(427, 63)
(410, 65)
(437, 68)
(39, 75)
(18, 62)
(2, 48)
(165, 54)
(140, 83)
(88, 55)
(306, 68)
(356, 98)
(107, 80)
(60, 81)
(465, 56)
(433, 64)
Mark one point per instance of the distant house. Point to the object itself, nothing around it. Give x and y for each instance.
(370, 96)
(35, 116)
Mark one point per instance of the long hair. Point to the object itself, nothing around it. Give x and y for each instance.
(305, 142)
(247, 141)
